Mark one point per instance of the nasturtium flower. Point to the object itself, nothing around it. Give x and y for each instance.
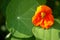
(43, 17)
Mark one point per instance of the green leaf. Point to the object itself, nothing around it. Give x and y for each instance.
(41, 2)
(31, 38)
(38, 39)
(48, 34)
(15, 39)
(19, 14)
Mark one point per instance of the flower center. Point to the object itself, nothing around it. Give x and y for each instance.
(43, 14)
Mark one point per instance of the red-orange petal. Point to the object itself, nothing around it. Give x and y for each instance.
(47, 21)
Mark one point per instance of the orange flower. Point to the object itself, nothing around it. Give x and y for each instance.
(43, 17)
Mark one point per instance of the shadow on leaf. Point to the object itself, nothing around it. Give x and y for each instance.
(59, 34)
(56, 25)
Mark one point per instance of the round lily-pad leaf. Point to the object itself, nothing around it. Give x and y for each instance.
(18, 17)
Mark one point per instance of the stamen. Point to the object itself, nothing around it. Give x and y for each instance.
(42, 14)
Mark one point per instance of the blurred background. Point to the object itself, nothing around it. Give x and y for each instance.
(3, 30)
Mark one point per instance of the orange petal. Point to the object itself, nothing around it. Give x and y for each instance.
(43, 8)
(45, 20)
(36, 19)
